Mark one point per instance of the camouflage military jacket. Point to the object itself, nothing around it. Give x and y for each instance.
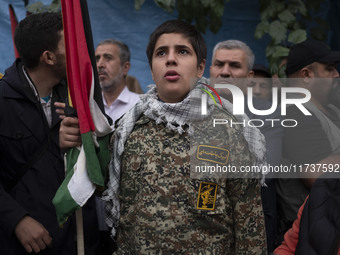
(161, 206)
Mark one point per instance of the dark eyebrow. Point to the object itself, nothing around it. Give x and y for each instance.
(161, 48)
(177, 46)
(182, 46)
(235, 63)
(107, 55)
(218, 61)
(104, 55)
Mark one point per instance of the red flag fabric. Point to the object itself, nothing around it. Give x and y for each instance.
(79, 68)
(86, 165)
(14, 23)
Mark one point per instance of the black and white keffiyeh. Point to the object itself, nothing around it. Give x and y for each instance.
(174, 116)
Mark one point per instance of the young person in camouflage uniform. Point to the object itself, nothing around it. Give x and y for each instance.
(152, 203)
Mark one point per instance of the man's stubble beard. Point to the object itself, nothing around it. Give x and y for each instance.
(112, 84)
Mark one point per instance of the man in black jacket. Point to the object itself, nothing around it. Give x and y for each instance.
(31, 163)
(314, 144)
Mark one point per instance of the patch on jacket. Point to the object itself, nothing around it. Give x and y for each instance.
(207, 196)
(213, 154)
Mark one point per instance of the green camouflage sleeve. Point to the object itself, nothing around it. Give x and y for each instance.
(249, 225)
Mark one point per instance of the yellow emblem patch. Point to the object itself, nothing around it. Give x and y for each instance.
(212, 154)
(207, 196)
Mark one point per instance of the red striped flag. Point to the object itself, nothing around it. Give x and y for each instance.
(86, 165)
(14, 23)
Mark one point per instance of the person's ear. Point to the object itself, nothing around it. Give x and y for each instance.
(201, 68)
(48, 57)
(306, 74)
(126, 68)
(250, 74)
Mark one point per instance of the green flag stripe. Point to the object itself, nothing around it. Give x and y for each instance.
(63, 201)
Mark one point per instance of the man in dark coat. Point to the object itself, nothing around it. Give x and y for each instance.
(31, 163)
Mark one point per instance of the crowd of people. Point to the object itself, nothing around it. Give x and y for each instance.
(152, 202)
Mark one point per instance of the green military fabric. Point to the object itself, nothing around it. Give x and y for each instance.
(158, 198)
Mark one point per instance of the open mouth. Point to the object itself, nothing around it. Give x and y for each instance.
(171, 75)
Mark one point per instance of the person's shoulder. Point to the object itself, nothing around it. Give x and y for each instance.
(330, 179)
(303, 120)
(293, 110)
(13, 72)
(132, 95)
(222, 111)
(10, 79)
(135, 95)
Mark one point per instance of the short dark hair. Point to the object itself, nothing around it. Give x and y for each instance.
(183, 28)
(37, 33)
(124, 52)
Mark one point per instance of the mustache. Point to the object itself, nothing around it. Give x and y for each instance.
(101, 71)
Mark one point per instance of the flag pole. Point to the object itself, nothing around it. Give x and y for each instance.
(85, 167)
(80, 232)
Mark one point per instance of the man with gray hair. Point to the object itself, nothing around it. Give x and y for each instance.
(113, 64)
(233, 60)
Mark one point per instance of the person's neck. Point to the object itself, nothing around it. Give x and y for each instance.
(111, 95)
(43, 80)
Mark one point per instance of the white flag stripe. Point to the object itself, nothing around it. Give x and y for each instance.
(99, 119)
(80, 186)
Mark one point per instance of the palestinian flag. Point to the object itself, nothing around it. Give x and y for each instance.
(14, 23)
(85, 166)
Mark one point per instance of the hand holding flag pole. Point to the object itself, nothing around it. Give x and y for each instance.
(85, 166)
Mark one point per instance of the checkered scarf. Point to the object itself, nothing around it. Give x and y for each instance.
(174, 116)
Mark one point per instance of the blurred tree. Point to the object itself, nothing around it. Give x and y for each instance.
(40, 7)
(205, 13)
(287, 22)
